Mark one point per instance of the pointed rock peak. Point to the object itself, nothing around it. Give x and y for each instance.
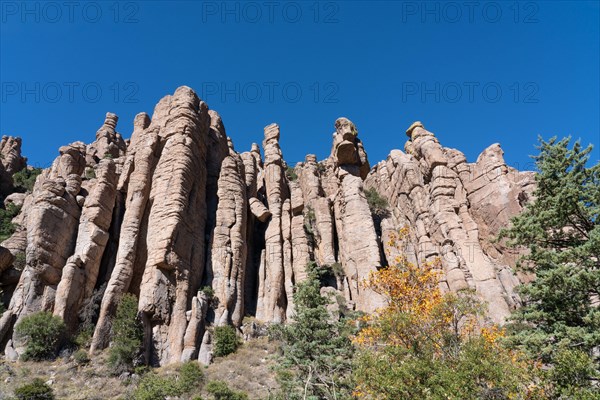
(10, 140)
(347, 149)
(416, 124)
(310, 158)
(184, 98)
(215, 121)
(108, 143)
(492, 155)
(271, 133)
(73, 148)
(186, 92)
(10, 154)
(142, 120)
(108, 128)
(111, 121)
(345, 128)
(255, 148)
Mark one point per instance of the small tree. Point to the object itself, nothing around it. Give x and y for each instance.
(317, 352)
(24, 180)
(42, 333)
(425, 344)
(561, 230)
(155, 387)
(377, 204)
(291, 174)
(7, 228)
(127, 335)
(226, 341)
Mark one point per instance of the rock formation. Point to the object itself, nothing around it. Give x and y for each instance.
(11, 162)
(176, 209)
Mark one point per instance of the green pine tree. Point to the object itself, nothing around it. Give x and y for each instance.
(316, 352)
(561, 231)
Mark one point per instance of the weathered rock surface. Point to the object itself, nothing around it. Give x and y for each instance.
(11, 162)
(10, 155)
(80, 273)
(228, 248)
(108, 143)
(272, 299)
(176, 221)
(176, 208)
(454, 209)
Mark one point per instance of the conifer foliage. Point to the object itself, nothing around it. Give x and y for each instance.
(316, 352)
(560, 229)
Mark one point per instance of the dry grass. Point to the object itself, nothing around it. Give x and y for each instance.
(69, 380)
(249, 370)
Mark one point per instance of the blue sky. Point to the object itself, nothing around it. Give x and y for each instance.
(473, 73)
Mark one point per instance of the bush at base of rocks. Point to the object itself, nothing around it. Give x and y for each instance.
(36, 390)
(42, 333)
(226, 341)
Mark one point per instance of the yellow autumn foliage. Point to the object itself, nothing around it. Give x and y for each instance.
(422, 325)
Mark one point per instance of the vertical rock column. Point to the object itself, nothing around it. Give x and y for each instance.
(176, 227)
(136, 179)
(228, 250)
(302, 251)
(81, 271)
(358, 245)
(271, 305)
(315, 204)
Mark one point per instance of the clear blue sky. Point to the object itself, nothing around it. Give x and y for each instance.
(492, 72)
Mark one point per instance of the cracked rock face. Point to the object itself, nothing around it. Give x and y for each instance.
(454, 209)
(176, 209)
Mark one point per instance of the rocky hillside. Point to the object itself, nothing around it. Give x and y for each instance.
(175, 209)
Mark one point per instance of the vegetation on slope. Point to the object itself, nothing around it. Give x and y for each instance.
(24, 180)
(7, 228)
(559, 323)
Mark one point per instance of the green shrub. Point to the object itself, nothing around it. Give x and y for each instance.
(208, 291)
(221, 391)
(81, 357)
(310, 222)
(7, 228)
(377, 204)
(154, 387)
(291, 174)
(108, 156)
(24, 180)
(42, 333)
(90, 173)
(36, 390)
(190, 376)
(226, 341)
(127, 335)
(572, 374)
